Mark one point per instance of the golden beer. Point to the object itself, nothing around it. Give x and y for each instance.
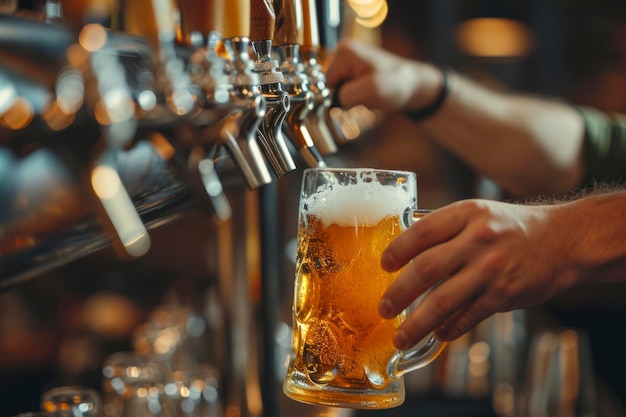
(340, 340)
(342, 351)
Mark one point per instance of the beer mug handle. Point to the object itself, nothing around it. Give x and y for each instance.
(429, 348)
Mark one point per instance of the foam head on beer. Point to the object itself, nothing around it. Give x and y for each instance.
(362, 199)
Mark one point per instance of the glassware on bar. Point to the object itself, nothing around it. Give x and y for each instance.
(133, 385)
(72, 401)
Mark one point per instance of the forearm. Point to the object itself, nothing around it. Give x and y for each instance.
(590, 233)
(528, 145)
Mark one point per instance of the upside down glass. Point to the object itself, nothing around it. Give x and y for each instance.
(342, 351)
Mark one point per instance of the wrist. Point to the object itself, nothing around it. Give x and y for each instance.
(431, 99)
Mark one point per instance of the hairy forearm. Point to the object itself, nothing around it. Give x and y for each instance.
(528, 145)
(590, 233)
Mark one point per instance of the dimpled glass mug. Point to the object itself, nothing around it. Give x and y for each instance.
(342, 351)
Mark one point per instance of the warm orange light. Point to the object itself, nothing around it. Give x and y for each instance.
(19, 115)
(494, 38)
(376, 19)
(162, 146)
(114, 107)
(367, 8)
(78, 57)
(56, 118)
(105, 182)
(92, 37)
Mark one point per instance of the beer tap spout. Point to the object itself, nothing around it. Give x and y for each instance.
(302, 104)
(270, 131)
(246, 108)
(322, 96)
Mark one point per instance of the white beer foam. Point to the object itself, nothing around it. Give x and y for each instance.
(364, 202)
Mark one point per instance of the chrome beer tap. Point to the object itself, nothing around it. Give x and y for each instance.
(229, 86)
(322, 95)
(109, 99)
(287, 41)
(185, 107)
(230, 114)
(271, 84)
(248, 107)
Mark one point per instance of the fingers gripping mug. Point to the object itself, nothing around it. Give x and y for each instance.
(342, 351)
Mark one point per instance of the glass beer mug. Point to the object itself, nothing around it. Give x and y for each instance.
(342, 350)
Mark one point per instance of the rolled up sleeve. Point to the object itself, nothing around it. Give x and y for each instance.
(605, 147)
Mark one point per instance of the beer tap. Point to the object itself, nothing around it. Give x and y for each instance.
(243, 81)
(225, 116)
(322, 96)
(108, 97)
(271, 79)
(229, 87)
(287, 40)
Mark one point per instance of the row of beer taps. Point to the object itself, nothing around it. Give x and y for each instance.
(249, 94)
(274, 99)
(223, 91)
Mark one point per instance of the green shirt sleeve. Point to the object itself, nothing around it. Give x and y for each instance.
(605, 146)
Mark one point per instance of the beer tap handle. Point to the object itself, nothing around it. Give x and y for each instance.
(289, 28)
(263, 20)
(198, 19)
(113, 108)
(322, 99)
(236, 21)
(261, 36)
(117, 211)
(155, 20)
(310, 30)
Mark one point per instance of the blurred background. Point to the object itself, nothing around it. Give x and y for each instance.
(60, 322)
